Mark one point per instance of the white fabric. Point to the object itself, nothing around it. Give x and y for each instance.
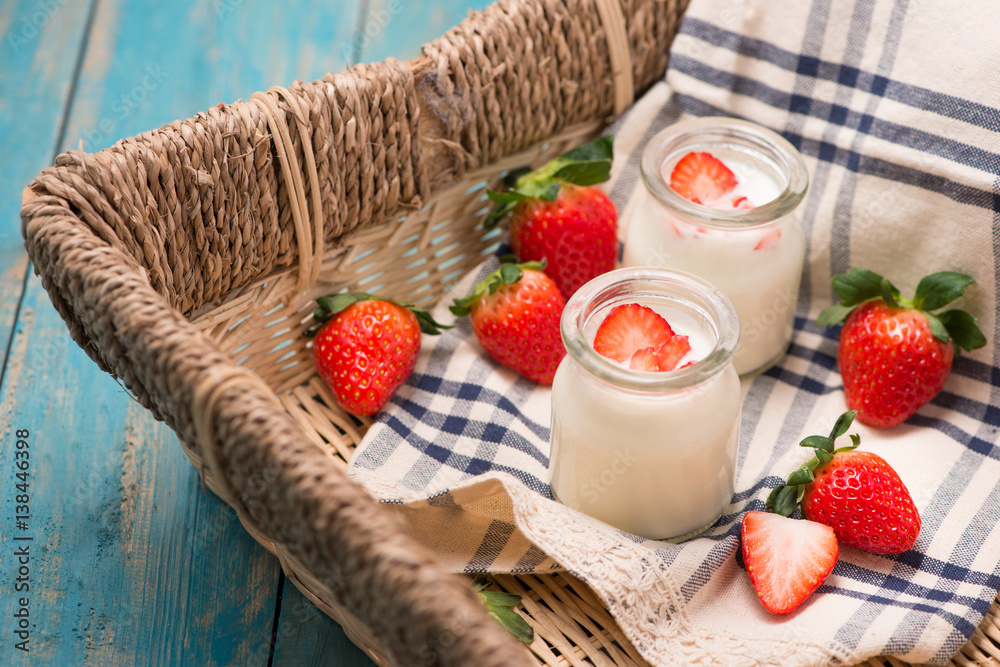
(896, 110)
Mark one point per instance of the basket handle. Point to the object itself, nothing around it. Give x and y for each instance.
(618, 53)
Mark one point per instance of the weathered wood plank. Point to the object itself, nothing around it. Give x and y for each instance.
(132, 561)
(306, 636)
(38, 51)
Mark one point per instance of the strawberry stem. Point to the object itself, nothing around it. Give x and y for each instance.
(785, 498)
(933, 292)
(509, 273)
(585, 165)
(332, 304)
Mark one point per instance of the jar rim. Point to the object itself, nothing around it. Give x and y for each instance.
(776, 148)
(703, 298)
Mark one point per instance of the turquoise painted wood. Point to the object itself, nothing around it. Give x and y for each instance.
(38, 50)
(131, 561)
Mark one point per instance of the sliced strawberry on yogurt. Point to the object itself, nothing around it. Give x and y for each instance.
(670, 353)
(702, 178)
(644, 360)
(630, 327)
(638, 336)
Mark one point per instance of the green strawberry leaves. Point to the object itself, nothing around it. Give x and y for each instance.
(585, 165)
(785, 498)
(962, 327)
(500, 607)
(510, 272)
(939, 289)
(330, 305)
(933, 292)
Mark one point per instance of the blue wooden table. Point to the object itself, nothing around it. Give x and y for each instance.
(111, 550)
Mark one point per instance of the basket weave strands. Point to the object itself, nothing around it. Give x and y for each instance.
(185, 261)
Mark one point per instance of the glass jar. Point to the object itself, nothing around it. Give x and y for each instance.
(754, 255)
(651, 453)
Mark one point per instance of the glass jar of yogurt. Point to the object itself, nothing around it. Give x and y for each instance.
(650, 453)
(749, 244)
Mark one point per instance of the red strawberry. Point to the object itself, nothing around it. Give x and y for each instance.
(641, 336)
(894, 354)
(576, 234)
(742, 203)
(560, 217)
(671, 352)
(702, 178)
(515, 314)
(645, 360)
(365, 347)
(858, 494)
(629, 327)
(787, 559)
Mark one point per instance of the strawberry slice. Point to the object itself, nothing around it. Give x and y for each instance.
(645, 359)
(630, 327)
(663, 358)
(671, 352)
(702, 178)
(787, 559)
(742, 203)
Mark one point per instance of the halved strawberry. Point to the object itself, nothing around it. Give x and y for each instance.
(787, 559)
(630, 327)
(702, 178)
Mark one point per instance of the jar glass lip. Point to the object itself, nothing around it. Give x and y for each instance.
(765, 144)
(699, 298)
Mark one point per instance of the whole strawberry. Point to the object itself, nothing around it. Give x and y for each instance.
(858, 494)
(560, 217)
(365, 347)
(515, 314)
(894, 353)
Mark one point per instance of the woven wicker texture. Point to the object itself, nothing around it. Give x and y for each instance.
(184, 261)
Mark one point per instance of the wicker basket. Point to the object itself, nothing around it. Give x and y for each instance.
(185, 260)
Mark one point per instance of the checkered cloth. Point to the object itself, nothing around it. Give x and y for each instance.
(896, 110)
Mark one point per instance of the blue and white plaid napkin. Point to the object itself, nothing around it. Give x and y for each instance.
(895, 107)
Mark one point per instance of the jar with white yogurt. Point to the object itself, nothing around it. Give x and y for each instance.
(650, 453)
(751, 245)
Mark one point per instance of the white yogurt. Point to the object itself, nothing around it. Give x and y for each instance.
(653, 454)
(754, 256)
